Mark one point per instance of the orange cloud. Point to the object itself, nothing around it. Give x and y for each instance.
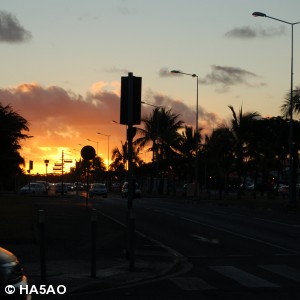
(101, 86)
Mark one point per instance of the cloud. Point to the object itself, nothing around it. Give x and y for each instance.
(101, 86)
(53, 107)
(118, 70)
(207, 120)
(123, 10)
(164, 72)
(246, 32)
(224, 77)
(11, 31)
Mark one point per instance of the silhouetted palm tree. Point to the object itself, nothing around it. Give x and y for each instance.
(285, 107)
(119, 160)
(187, 150)
(119, 156)
(160, 130)
(242, 133)
(11, 127)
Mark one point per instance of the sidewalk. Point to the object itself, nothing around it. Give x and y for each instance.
(68, 251)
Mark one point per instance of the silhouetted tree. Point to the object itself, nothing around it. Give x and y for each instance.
(220, 158)
(285, 107)
(187, 150)
(160, 130)
(242, 132)
(11, 127)
(119, 161)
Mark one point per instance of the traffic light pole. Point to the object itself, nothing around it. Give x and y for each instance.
(130, 212)
(130, 114)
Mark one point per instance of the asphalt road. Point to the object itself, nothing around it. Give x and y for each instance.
(230, 252)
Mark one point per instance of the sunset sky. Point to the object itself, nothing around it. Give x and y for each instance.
(62, 63)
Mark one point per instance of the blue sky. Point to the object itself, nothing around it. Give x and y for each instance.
(78, 50)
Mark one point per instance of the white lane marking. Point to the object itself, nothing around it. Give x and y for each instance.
(241, 235)
(283, 270)
(242, 277)
(205, 240)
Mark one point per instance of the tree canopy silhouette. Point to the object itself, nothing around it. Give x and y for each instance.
(12, 126)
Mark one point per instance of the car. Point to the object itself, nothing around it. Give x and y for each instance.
(70, 186)
(61, 188)
(136, 193)
(33, 188)
(283, 190)
(45, 183)
(116, 187)
(250, 186)
(98, 189)
(12, 273)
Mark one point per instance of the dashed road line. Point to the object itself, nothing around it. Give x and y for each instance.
(241, 235)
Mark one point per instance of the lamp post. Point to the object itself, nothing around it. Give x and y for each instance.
(94, 142)
(292, 177)
(46, 161)
(107, 135)
(197, 126)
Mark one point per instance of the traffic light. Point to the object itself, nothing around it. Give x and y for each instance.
(131, 93)
(30, 165)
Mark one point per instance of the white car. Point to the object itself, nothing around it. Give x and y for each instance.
(33, 188)
(98, 189)
(136, 193)
(12, 274)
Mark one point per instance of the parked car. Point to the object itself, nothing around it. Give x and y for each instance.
(250, 186)
(283, 190)
(116, 187)
(33, 188)
(98, 189)
(137, 193)
(61, 188)
(45, 183)
(11, 273)
(70, 186)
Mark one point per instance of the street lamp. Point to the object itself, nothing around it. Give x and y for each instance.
(197, 127)
(292, 182)
(94, 142)
(107, 147)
